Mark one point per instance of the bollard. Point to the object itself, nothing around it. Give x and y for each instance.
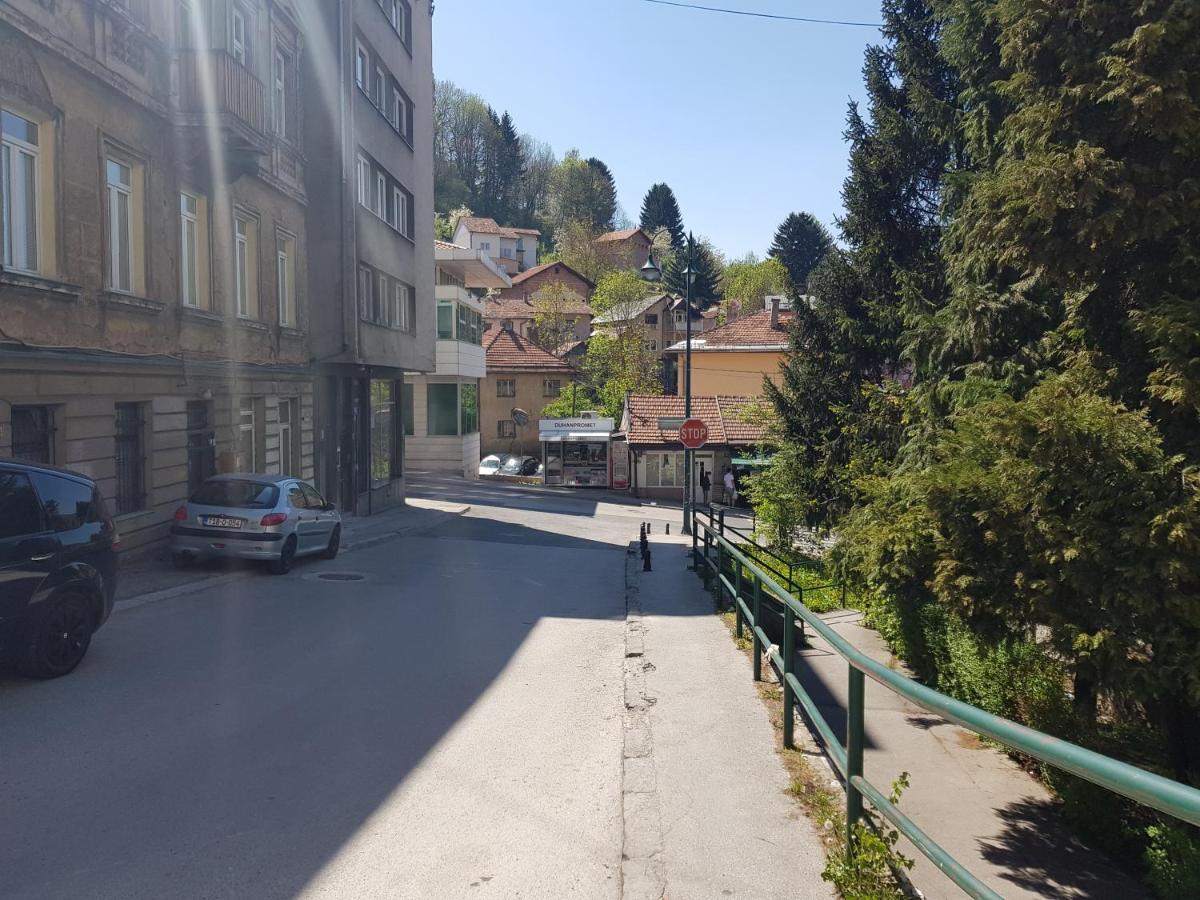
(668, 528)
(646, 561)
(648, 528)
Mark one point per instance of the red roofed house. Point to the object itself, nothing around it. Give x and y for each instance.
(657, 458)
(513, 249)
(625, 249)
(529, 282)
(733, 358)
(519, 311)
(520, 375)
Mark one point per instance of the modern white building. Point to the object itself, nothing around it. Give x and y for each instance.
(441, 411)
(513, 249)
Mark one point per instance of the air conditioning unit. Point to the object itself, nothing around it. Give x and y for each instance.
(589, 414)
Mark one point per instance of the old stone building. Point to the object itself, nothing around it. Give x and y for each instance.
(153, 306)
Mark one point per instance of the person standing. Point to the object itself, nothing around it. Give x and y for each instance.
(730, 488)
(705, 485)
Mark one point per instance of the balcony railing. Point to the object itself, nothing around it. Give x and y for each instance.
(236, 92)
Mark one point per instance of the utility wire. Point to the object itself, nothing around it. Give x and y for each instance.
(762, 15)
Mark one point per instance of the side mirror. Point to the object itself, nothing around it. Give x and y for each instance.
(329, 507)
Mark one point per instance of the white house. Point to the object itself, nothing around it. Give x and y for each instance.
(513, 249)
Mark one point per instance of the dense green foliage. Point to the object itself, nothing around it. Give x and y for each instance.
(800, 243)
(748, 282)
(660, 209)
(707, 266)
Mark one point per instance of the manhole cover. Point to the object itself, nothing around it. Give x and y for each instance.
(340, 576)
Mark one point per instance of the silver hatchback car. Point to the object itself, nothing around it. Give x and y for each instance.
(266, 517)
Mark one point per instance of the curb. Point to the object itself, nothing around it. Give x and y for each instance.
(192, 587)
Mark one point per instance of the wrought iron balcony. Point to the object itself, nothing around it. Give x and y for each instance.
(238, 99)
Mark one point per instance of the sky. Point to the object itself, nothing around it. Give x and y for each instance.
(742, 117)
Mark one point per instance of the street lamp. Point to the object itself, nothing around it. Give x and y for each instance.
(689, 277)
(650, 270)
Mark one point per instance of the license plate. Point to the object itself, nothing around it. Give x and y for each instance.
(222, 522)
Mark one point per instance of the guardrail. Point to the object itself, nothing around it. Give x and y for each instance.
(1163, 794)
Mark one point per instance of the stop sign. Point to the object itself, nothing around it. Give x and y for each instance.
(693, 434)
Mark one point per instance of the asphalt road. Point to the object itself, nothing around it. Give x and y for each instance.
(448, 726)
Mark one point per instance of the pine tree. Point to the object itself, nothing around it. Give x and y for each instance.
(661, 210)
(801, 242)
(604, 200)
(706, 288)
(510, 169)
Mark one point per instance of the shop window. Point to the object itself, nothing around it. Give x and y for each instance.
(442, 402)
(664, 469)
(445, 321)
(385, 456)
(130, 458)
(469, 406)
(33, 434)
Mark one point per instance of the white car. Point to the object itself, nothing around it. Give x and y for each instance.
(490, 465)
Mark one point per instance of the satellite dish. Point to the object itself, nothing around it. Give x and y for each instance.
(519, 416)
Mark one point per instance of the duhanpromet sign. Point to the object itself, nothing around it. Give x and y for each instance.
(574, 426)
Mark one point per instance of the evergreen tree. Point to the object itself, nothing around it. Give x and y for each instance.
(661, 210)
(510, 169)
(801, 242)
(604, 199)
(706, 288)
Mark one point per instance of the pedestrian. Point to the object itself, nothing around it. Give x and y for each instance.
(705, 485)
(730, 488)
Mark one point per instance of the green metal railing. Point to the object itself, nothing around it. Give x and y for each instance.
(1163, 794)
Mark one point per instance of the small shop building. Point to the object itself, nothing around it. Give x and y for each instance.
(656, 456)
(576, 452)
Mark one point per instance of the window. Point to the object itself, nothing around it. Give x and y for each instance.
(287, 451)
(485, 245)
(378, 201)
(130, 458)
(119, 179)
(470, 326)
(383, 195)
(506, 387)
(403, 22)
(362, 65)
(664, 469)
(200, 450)
(384, 444)
(551, 387)
(32, 429)
(401, 112)
(67, 504)
(364, 181)
(280, 93)
(404, 310)
(445, 321)
(189, 249)
(651, 318)
(469, 408)
(242, 263)
(506, 428)
(240, 34)
(19, 192)
(652, 344)
(400, 204)
(377, 88)
(285, 290)
(506, 253)
(384, 300)
(406, 407)
(311, 497)
(443, 409)
(22, 513)
(246, 445)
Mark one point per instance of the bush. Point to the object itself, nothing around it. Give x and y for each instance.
(1172, 860)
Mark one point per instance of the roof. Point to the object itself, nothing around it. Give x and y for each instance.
(507, 351)
(481, 225)
(446, 245)
(749, 333)
(539, 269)
(622, 235)
(628, 313)
(720, 413)
(507, 307)
(475, 267)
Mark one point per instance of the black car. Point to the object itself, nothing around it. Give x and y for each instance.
(58, 567)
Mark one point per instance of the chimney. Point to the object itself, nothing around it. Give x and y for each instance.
(774, 301)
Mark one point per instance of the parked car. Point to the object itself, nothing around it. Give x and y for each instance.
(272, 518)
(519, 465)
(490, 465)
(58, 567)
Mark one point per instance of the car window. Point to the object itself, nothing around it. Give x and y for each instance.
(68, 504)
(296, 498)
(315, 500)
(19, 510)
(238, 493)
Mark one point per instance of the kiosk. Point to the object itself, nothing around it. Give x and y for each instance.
(575, 451)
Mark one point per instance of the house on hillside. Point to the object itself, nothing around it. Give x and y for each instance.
(513, 249)
(657, 456)
(518, 314)
(441, 411)
(662, 318)
(733, 358)
(625, 249)
(520, 375)
(529, 282)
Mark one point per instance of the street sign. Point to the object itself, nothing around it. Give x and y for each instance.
(693, 434)
(671, 423)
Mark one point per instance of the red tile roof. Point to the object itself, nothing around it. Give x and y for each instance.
(750, 332)
(721, 414)
(481, 225)
(508, 351)
(622, 235)
(537, 270)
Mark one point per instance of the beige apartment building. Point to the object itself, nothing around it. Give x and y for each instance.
(154, 314)
(520, 375)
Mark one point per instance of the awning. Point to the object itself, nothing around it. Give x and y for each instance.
(755, 461)
(556, 437)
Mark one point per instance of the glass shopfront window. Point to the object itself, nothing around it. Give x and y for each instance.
(385, 455)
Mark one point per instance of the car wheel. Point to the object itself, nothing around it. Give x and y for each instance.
(335, 543)
(57, 637)
(283, 565)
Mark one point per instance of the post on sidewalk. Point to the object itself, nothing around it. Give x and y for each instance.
(755, 625)
(854, 754)
(789, 653)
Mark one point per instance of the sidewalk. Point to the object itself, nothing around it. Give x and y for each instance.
(148, 575)
(707, 813)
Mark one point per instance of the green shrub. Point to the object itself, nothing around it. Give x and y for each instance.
(1172, 860)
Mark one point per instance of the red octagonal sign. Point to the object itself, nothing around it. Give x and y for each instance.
(693, 434)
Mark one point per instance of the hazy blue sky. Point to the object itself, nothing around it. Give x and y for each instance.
(742, 117)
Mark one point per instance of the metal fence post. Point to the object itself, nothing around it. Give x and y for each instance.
(707, 571)
(754, 626)
(854, 755)
(720, 573)
(695, 538)
(789, 653)
(737, 595)
(721, 522)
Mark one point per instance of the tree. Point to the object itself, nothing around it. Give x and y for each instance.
(748, 282)
(661, 210)
(801, 242)
(554, 306)
(538, 164)
(708, 268)
(604, 196)
(575, 245)
(579, 192)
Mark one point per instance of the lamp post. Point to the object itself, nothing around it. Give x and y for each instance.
(689, 276)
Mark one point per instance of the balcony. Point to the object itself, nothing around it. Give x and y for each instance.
(239, 99)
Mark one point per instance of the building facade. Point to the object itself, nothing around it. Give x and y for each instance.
(520, 375)
(526, 285)
(154, 309)
(627, 249)
(369, 125)
(736, 357)
(441, 411)
(513, 249)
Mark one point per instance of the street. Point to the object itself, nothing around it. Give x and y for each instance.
(450, 722)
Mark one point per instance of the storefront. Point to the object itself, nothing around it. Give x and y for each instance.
(576, 452)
